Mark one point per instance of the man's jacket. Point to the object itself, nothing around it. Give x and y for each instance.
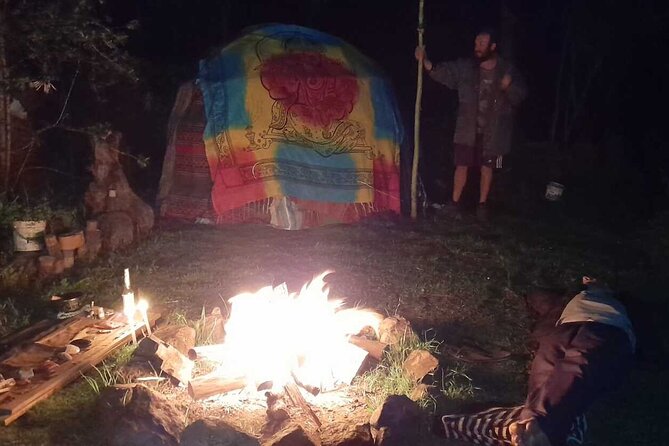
(463, 75)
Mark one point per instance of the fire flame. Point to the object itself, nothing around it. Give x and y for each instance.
(276, 336)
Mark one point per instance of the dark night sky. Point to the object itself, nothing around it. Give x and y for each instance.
(626, 98)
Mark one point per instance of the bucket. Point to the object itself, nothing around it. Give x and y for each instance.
(554, 191)
(28, 235)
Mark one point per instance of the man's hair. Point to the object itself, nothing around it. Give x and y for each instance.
(491, 32)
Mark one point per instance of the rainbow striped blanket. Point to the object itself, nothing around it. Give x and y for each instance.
(292, 112)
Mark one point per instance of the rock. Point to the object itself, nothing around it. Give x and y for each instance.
(292, 435)
(219, 433)
(118, 230)
(72, 349)
(396, 421)
(420, 392)
(345, 434)
(395, 329)
(419, 364)
(137, 416)
(180, 337)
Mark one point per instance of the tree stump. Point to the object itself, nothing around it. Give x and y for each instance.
(110, 193)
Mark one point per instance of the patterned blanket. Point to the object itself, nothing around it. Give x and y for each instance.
(292, 112)
(491, 427)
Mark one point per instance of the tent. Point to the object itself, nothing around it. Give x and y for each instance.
(286, 125)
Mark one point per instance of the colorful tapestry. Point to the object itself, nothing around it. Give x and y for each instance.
(292, 112)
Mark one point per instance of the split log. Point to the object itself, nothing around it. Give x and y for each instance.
(376, 349)
(172, 361)
(210, 385)
(298, 400)
(206, 352)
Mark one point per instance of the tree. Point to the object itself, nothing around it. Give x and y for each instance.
(47, 46)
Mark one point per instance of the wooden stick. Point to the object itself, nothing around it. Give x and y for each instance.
(416, 129)
(298, 400)
(212, 352)
(210, 385)
(376, 349)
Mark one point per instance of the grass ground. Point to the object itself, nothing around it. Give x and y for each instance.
(454, 280)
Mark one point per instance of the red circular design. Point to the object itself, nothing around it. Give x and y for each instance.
(312, 87)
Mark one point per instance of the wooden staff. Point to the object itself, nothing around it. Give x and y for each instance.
(416, 127)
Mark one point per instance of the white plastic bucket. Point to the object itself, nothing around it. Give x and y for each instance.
(554, 191)
(28, 235)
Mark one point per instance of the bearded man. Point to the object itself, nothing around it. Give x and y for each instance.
(489, 91)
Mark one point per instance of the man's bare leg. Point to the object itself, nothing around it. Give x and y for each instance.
(459, 181)
(486, 182)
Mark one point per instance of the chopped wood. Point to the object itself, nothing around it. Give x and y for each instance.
(376, 349)
(206, 352)
(21, 398)
(172, 361)
(210, 385)
(298, 400)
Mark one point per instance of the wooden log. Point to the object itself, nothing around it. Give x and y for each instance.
(172, 361)
(207, 352)
(376, 349)
(210, 385)
(298, 400)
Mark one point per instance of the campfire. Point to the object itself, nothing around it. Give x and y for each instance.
(276, 340)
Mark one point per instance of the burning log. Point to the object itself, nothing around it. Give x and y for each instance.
(210, 385)
(206, 352)
(298, 400)
(374, 348)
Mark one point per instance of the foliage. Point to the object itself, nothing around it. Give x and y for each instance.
(389, 378)
(48, 39)
(12, 317)
(108, 374)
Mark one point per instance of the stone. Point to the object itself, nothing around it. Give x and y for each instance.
(219, 433)
(118, 230)
(420, 392)
(138, 416)
(180, 337)
(346, 434)
(395, 329)
(419, 364)
(398, 418)
(292, 435)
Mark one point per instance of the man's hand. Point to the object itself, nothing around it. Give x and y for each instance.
(421, 55)
(505, 82)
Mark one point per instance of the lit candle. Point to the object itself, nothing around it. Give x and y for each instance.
(143, 306)
(129, 308)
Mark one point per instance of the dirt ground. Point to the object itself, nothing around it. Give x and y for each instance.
(455, 281)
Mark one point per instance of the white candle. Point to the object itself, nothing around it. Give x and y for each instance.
(143, 307)
(129, 311)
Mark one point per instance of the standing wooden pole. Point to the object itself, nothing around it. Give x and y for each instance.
(416, 127)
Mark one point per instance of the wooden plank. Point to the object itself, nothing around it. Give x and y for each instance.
(22, 398)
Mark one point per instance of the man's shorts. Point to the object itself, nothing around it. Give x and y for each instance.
(464, 155)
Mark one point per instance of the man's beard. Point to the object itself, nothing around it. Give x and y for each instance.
(486, 55)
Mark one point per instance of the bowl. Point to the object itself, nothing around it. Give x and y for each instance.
(67, 302)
